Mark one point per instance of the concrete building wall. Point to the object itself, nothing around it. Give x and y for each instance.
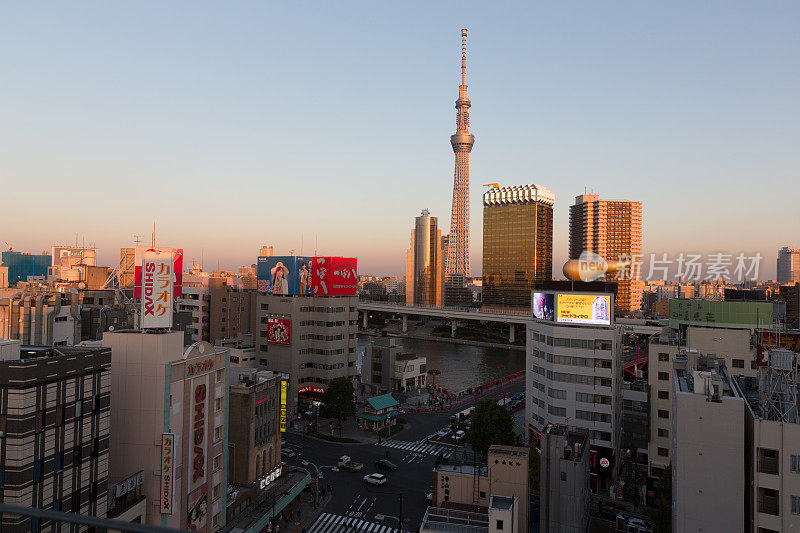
(564, 484)
(783, 440)
(708, 480)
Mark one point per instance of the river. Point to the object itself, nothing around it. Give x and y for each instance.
(461, 365)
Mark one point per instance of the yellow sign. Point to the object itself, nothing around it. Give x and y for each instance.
(284, 386)
(593, 309)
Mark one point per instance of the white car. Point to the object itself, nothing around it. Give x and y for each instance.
(459, 434)
(444, 432)
(375, 479)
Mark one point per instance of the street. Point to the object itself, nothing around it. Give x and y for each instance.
(413, 451)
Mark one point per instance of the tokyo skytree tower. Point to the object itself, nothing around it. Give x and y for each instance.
(462, 141)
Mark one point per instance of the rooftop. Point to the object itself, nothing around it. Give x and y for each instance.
(501, 502)
(699, 374)
(382, 402)
(463, 468)
(451, 520)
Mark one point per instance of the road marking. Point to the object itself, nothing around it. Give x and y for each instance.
(331, 523)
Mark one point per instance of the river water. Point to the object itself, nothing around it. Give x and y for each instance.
(461, 365)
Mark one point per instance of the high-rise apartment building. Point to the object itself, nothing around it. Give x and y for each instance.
(424, 263)
(788, 265)
(613, 230)
(54, 430)
(517, 243)
(229, 312)
(462, 142)
(310, 338)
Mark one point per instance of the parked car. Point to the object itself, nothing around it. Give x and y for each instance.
(518, 396)
(375, 479)
(444, 432)
(288, 452)
(460, 434)
(385, 464)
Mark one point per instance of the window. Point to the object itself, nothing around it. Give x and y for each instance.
(585, 397)
(218, 433)
(663, 395)
(37, 470)
(663, 452)
(78, 408)
(663, 433)
(76, 454)
(2, 476)
(57, 461)
(499, 525)
(752, 365)
(663, 413)
(217, 462)
(215, 493)
(795, 504)
(215, 520)
(557, 394)
(483, 494)
(556, 411)
(583, 415)
(768, 461)
(39, 420)
(663, 376)
(219, 375)
(2, 425)
(218, 404)
(663, 357)
(738, 363)
(795, 464)
(59, 415)
(768, 501)
(563, 476)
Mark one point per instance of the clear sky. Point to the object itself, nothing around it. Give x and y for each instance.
(233, 125)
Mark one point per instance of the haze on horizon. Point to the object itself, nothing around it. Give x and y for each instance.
(236, 126)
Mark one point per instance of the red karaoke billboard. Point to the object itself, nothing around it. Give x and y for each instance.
(334, 276)
(177, 269)
(766, 339)
(279, 331)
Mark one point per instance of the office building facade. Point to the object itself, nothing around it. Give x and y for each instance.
(21, 265)
(788, 265)
(312, 339)
(54, 430)
(424, 263)
(517, 244)
(613, 230)
(171, 401)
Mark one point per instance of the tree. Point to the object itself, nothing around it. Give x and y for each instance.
(661, 512)
(337, 400)
(491, 424)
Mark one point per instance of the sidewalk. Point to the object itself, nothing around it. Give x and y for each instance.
(304, 515)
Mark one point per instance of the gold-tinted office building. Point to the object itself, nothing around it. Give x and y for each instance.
(424, 263)
(517, 243)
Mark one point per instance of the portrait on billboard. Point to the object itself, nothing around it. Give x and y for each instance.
(543, 306)
(284, 275)
(279, 330)
(590, 309)
(280, 279)
(197, 510)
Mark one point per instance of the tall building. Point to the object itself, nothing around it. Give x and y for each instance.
(265, 251)
(21, 265)
(564, 484)
(613, 230)
(170, 418)
(788, 265)
(424, 263)
(54, 430)
(462, 141)
(517, 243)
(310, 338)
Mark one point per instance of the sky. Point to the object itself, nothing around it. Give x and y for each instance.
(320, 125)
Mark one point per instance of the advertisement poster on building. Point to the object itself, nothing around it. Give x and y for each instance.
(197, 510)
(284, 275)
(284, 387)
(177, 268)
(589, 309)
(167, 483)
(157, 285)
(197, 505)
(544, 307)
(279, 331)
(766, 339)
(334, 276)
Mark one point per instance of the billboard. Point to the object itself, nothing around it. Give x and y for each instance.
(284, 275)
(157, 285)
(544, 307)
(177, 263)
(167, 483)
(197, 509)
(588, 309)
(279, 331)
(766, 339)
(284, 386)
(334, 276)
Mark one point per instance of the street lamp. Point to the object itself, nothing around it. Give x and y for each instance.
(316, 478)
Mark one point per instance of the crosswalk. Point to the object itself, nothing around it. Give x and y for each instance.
(416, 447)
(334, 523)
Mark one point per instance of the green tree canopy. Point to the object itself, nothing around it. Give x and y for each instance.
(337, 400)
(491, 424)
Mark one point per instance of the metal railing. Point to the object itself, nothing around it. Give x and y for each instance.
(15, 518)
